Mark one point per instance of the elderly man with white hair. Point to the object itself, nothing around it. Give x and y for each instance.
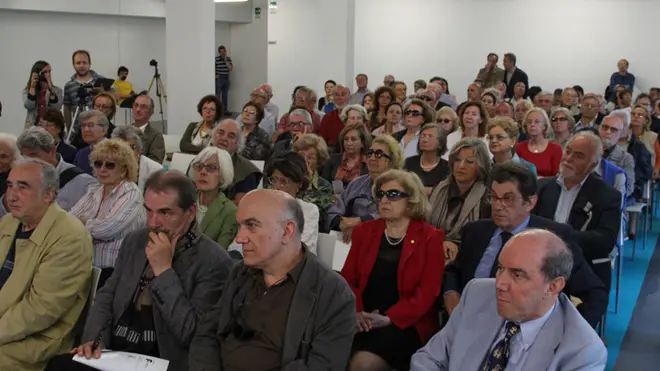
(8, 154)
(441, 99)
(269, 122)
(544, 100)
(610, 130)
(636, 148)
(270, 107)
(133, 137)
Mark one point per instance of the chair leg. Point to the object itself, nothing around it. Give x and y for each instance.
(619, 271)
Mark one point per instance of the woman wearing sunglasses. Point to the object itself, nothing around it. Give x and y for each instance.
(461, 198)
(563, 126)
(356, 203)
(395, 268)
(112, 208)
(472, 123)
(288, 173)
(416, 113)
(446, 118)
(212, 171)
(133, 137)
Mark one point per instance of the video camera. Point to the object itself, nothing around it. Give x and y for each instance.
(153, 63)
(84, 90)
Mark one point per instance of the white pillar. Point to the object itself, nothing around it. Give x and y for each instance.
(190, 59)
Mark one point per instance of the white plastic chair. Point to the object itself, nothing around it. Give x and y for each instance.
(181, 162)
(325, 248)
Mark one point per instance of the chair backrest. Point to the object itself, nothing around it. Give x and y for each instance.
(341, 251)
(171, 143)
(181, 162)
(646, 192)
(325, 248)
(260, 166)
(80, 325)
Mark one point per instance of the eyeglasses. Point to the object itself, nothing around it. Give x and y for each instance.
(280, 181)
(208, 109)
(249, 112)
(508, 200)
(638, 114)
(46, 124)
(425, 98)
(109, 165)
(497, 138)
(379, 153)
(413, 113)
(102, 106)
(555, 119)
(444, 121)
(210, 168)
(392, 194)
(607, 128)
(292, 124)
(88, 125)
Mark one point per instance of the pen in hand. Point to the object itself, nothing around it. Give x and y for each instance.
(91, 349)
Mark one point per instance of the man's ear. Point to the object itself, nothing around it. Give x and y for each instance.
(557, 285)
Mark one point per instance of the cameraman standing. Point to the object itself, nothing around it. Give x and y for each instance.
(80, 90)
(40, 93)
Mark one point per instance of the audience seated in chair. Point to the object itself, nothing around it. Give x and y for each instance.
(36, 142)
(212, 172)
(304, 98)
(563, 126)
(47, 266)
(198, 134)
(351, 161)
(228, 136)
(269, 122)
(491, 326)
(153, 142)
(310, 309)
(299, 122)
(167, 277)
(462, 197)
(429, 164)
(111, 209)
(315, 152)
(356, 203)
(146, 166)
(538, 149)
(53, 122)
(395, 268)
(611, 129)
(8, 154)
(416, 113)
(581, 199)
(94, 127)
(512, 197)
(640, 127)
(104, 103)
(472, 123)
(392, 121)
(288, 173)
(502, 135)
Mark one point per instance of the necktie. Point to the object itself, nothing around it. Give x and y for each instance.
(499, 356)
(504, 236)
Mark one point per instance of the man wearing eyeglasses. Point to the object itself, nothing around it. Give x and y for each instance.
(94, 127)
(589, 115)
(305, 98)
(610, 131)
(300, 122)
(512, 197)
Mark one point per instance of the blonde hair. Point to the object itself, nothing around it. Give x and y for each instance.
(648, 116)
(118, 151)
(307, 141)
(418, 204)
(548, 128)
(507, 124)
(396, 154)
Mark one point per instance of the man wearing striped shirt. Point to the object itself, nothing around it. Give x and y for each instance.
(223, 66)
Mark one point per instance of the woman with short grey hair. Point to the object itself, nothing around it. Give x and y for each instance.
(462, 197)
(133, 137)
(8, 154)
(354, 114)
(563, 125)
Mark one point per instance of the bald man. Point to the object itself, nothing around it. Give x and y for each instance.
(473, 92)
(520, 320)
(270, 107)
(310, 309)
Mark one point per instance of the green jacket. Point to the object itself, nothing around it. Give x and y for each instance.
(219, 223)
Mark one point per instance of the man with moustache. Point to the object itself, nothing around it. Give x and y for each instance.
(123, 87)
(519, 320)
(331, 125)
(166, 277)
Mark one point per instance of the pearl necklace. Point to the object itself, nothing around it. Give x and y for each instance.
(393, 241)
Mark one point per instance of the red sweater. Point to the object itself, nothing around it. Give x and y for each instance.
(331, 127)
(546, 162)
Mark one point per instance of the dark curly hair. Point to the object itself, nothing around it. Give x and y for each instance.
(219, 108)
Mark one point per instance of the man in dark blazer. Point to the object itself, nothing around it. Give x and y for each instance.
(513, 74)
(589, 115)
(513, 196)
(153, 143)
(581, 199)
(281, 307)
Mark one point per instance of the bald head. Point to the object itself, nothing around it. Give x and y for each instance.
(474, 92)
(276, 204)
(545, 247)
(268, 89)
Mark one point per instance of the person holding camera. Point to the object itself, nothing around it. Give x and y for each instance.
(40, 93)
(223, 65)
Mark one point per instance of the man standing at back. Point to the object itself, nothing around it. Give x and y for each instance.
(281, 308)
(361, 80)
(223, 65)
(331, 124)
(153, 143)
(490, 74)
(520, 320)
(46, 257)
(513, 74)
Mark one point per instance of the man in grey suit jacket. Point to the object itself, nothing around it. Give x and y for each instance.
(166, 277)
(520, 320)
(281, 309)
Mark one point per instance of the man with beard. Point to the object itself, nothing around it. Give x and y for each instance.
(166, 277)
(611, 129)
(84, 76)
(123, 87)
(331, 125)
(583, 200)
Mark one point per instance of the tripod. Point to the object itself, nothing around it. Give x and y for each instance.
(159, 87)
(81, 107)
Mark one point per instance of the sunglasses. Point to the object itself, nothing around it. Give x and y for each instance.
(444, 121)
(426, 98)
(555, 119)
(392, 194)
(107, 164)
(379, 153)
(413, 113)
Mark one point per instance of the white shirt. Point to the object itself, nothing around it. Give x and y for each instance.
(454, 138)
(411, 149)
(310, 232)
(566, 199)
(143, 127)
(147, 167)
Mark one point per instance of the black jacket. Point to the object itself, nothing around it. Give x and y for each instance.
(643, 164)
(599, 119)
(583, 283)
(518, 75)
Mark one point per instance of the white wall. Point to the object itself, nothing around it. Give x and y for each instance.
(310, 42)
(558, 43)
(111, 40)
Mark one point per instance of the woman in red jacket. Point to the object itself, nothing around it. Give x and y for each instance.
(395, 269)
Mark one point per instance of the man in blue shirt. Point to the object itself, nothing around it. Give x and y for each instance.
(622, 77)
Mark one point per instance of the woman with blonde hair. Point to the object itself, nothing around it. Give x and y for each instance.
(315, 152)
(112, 208)
(640, 126)
(447, 119)
(502, 140)
(538, 149)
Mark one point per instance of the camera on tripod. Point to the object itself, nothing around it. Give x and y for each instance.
(85, 90)
(153, 63)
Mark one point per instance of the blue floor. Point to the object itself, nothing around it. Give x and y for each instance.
(618, 330)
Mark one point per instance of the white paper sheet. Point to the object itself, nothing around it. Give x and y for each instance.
(341, 252)
(123, 361)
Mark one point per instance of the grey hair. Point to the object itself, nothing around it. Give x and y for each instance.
(302, 113)
(595, 141)
(100, 117)
(481, 152)
(544, 93)
(567, 113)
(224, 163)
(10, 140)
(293, 211)
(127, 133)
(239, 136)
(558, 259)
(50, 179)
(495, 93)
(435, 87)
(624, 115)
(525, 102)
(35, 137)
(343, 116)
